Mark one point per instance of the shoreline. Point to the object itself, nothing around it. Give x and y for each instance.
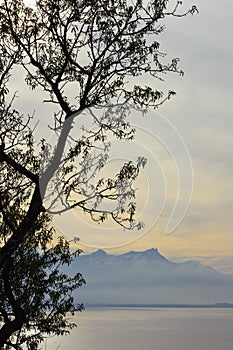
(173, 306)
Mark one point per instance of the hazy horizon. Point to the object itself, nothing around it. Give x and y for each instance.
(148, 278)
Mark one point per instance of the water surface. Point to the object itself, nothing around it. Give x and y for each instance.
(149, 329)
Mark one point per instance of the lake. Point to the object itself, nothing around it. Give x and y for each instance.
(149, 329)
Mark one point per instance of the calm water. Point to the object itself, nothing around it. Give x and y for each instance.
(149, 329)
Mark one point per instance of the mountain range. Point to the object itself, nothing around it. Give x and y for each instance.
(148, 278)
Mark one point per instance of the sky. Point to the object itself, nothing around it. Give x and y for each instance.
(199, 120)
(201, 112)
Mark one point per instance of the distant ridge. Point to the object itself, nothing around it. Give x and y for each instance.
(178, 306)
(152, 253)
(148, 278)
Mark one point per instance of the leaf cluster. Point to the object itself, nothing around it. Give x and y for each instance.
(43, 291)
(91, 47)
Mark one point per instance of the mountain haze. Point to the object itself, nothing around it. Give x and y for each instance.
(149, 278)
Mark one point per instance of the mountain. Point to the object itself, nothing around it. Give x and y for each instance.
(149, 278)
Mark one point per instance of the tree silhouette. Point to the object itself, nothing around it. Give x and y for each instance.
(81, 57)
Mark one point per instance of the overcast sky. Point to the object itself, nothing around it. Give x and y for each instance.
(202, 114)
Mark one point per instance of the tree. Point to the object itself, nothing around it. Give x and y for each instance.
(91, 48)
(44, 294)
